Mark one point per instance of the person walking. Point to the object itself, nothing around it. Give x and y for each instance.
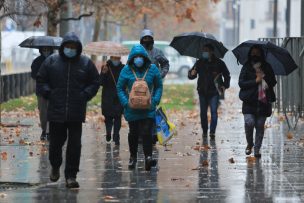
(208, 68)
(256, 81)
(68, 80)
(110, 105)
(158, 58)
(139, 68)
(42, 103)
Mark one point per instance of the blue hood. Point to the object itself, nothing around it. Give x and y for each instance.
(138, 50)
(70, 37)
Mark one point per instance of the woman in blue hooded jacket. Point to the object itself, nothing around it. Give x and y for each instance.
(140, 120)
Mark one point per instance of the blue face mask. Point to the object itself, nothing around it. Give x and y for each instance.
(205, 55)
(115, 62)
(139, 61)
(70, 53)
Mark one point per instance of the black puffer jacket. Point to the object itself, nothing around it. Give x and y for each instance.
(68, 83)
(249, 90)
(36, 65)
(110, 103)
(207, 71)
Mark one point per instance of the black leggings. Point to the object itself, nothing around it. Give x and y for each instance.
(110, 121)
(141, 128)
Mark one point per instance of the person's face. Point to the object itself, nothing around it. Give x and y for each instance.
(147, 39)
(255, 53)
(46, 49)
(115, 58)
(71, 45)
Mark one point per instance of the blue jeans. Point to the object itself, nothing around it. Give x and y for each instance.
(213, 102)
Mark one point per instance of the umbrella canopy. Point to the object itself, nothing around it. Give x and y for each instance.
(106, 48)
(192, 43)
(279, 58)
(41, 41)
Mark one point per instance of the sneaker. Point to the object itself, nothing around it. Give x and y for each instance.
(212, 136)
(71, 183)
(132, 163)
(55, 174)
(149, 162)
(43, 136)
(248, 150)
(257, 153)
(108, 139)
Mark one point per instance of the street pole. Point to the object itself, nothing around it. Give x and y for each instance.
(288, 19)
(302, 18)
(234, 22)
(275, 18)
(238, 20)
(145, 21)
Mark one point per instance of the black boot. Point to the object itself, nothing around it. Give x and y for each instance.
(149, 162)
(132, 162)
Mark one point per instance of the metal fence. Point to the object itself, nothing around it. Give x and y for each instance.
(289, 90)
(16, 85)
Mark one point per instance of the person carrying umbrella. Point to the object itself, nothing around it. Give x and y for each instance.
(256, 81)
(208, 68)
(45, 51)
(111, 107)
(68, 80)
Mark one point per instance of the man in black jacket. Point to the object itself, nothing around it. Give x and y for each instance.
(68, 80)
(42, 103)
(208, 68)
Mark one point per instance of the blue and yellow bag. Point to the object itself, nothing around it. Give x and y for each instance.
(165, 128)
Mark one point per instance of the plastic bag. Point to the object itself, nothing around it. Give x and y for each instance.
(165, 128)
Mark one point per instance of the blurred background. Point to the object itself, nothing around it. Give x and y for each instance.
(231, 21)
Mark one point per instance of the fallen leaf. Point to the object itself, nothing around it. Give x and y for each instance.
(289, 135)
(231, 160)
(4, 156)
(3, 195)
(108, 197)
(205, 163)
(31, 153)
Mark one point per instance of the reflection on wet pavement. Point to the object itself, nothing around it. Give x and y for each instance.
(214, 171)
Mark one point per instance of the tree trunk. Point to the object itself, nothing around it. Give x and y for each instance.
(96, 29)
(52, 22)
(65, 12)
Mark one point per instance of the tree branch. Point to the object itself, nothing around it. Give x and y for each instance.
(17, 13)
(75, 18)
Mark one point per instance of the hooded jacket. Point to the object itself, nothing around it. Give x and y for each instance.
(127, 78)
(156, 55)
(68, 83)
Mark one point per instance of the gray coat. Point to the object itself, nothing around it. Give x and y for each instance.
(158, 58)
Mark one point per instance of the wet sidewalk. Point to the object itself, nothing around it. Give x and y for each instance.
(189, 170)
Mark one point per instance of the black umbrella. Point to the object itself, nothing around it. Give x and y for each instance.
(41, 41)
(192, 43)
(279, 58)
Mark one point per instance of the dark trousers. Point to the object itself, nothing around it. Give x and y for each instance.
(59, 133)
(141, 128)
(213, 102)
(110, 121)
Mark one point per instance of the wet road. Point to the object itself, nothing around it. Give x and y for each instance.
(189, 170)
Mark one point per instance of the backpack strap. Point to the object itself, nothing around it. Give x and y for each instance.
(112, 76)
(143, 78)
